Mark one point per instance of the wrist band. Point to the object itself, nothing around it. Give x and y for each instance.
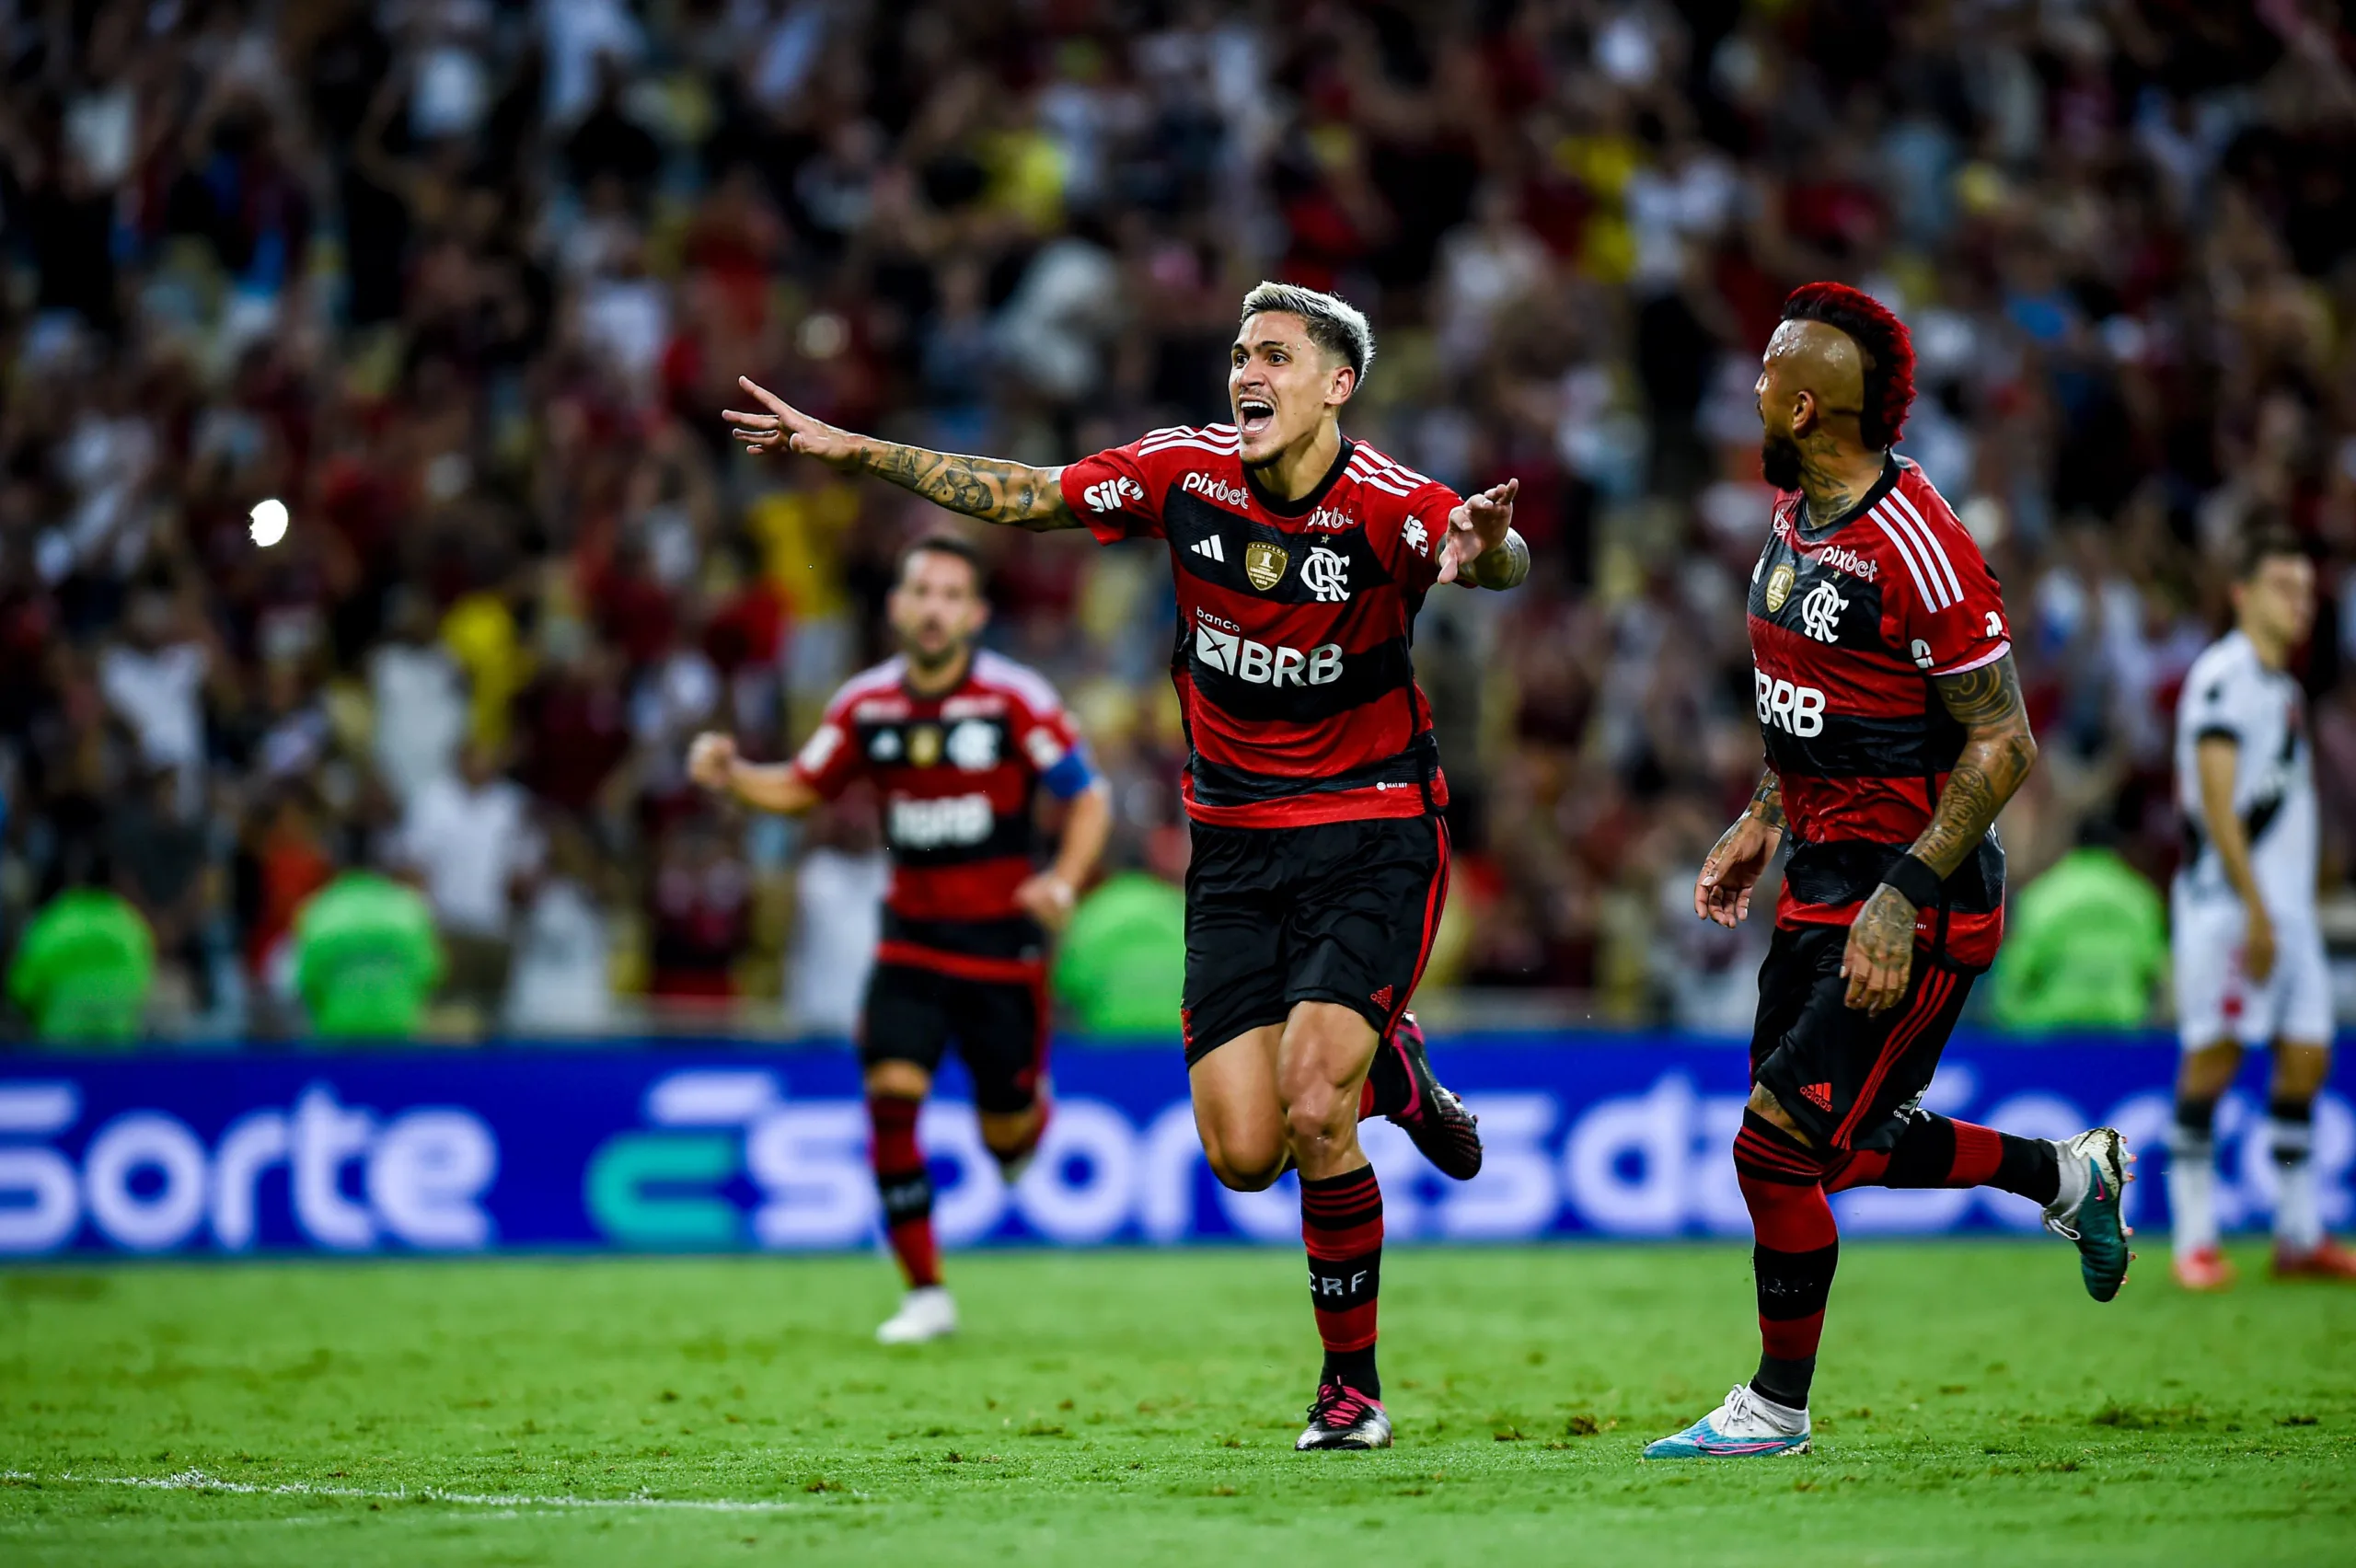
(1915, 881)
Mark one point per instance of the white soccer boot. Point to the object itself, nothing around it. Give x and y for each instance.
(926, 1313)
(1746, 1426)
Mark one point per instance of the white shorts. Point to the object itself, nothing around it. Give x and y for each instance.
(2215, 1001)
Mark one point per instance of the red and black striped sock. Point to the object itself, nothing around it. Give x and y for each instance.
(1341, 1224)
(1936, 1151)
(1795, 1253)
(905, 1186)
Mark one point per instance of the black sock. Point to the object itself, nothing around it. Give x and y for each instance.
(1352, 1369)
(1785, 1380)
(2294, 1132)
(2029, 1166)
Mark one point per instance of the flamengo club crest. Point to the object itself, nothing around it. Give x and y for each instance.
(1779, 587)
(1263, 565)
(1327, 575)
(1820, 612)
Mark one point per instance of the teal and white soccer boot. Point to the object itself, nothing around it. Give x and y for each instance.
(2088, 1210)
(1748, 1426)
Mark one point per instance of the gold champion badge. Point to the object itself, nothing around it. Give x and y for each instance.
(1263, 565)
(1779, 587)
(924, 745)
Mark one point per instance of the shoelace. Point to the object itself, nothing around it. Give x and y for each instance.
(1743, 1404)
(1343, 1411)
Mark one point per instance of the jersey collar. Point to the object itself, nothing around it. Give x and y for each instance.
(1309, 502)
(1872, 498)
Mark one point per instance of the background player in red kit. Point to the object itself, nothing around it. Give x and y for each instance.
(1895, 734)
(958, 743)
(1299, 560)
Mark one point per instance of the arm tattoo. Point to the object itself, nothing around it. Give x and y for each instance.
(1998, 752)
(1508, 566)
(987, 487)
(1767, 800)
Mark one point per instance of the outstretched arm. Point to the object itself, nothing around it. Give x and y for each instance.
(987, 488)
(779, 786)
(1998, 752)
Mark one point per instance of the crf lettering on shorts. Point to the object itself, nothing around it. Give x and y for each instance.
(1795, 709)
(1262, 665)
(928, 824)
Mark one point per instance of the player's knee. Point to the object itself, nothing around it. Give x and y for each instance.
(1008, 1135)
(893, 1079)
(1320, 1116)
(1245, 1164)
(2208, 1073)
(2299, 1072)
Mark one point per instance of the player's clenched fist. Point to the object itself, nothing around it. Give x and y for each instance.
(711, 759)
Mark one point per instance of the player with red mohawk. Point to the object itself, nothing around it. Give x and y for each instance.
(1883, 673)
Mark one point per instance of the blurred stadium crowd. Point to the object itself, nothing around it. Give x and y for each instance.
(466, 283)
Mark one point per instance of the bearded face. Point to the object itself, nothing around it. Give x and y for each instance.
(1779, 461)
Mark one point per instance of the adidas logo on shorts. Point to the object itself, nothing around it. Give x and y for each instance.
(1817, 1094)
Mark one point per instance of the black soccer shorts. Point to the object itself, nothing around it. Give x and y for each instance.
(999, 1026)
(1841, 1075)
(1342, 912)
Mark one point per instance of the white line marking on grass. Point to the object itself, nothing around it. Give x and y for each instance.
(197, 1480)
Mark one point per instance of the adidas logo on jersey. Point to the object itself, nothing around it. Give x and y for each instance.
(1212, 548)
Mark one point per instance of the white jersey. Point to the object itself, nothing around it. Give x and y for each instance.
(2229, 692)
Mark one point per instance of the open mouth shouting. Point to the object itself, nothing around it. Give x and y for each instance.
(1256, 416)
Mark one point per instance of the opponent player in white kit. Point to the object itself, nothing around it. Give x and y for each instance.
(2249, 962)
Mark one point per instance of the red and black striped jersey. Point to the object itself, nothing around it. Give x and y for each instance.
(1295, 621)
(1849, 624)
(958, 775)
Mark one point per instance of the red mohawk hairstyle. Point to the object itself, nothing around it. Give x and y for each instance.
(1888, 351)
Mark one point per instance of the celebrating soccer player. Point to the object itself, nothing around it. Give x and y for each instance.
(1894, 731)
(1314, 787)
(2249, 960)
(958, 742)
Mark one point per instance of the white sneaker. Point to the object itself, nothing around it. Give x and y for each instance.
(926, 1313)
(1745, 1426)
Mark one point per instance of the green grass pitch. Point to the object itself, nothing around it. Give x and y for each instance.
(1134, 1408)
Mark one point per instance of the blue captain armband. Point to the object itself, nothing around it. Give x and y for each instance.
(1070, 777)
